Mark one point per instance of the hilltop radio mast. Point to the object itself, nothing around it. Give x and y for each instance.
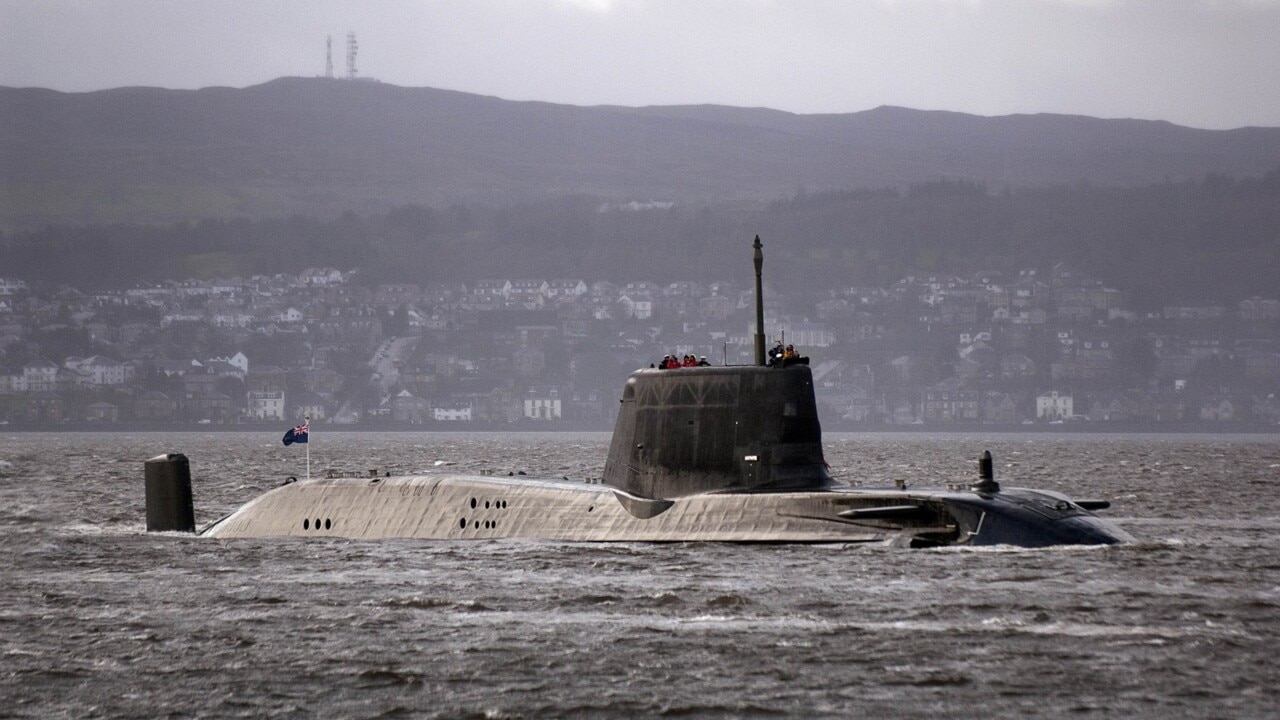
(351, 55)
(328, 57)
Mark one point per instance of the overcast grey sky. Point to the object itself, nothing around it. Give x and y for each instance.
(1203, 63)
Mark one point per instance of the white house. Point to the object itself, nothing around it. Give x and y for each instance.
(180, 317)
(266, 405)
(543, 404)
(320, 277)
(527, 291)
(239, 360)
(451, 413)
(638, 305)
(492, 289)
(565, 289)
(39, 376)
(103, 370)
(1053, 405)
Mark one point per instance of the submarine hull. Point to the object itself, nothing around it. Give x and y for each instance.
(463, 507)
(727, 454)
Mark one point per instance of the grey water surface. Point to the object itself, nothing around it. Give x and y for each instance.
(100, 619)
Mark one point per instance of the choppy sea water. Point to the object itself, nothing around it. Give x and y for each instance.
(100, 619)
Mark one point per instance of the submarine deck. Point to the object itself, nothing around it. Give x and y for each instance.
(448, 506)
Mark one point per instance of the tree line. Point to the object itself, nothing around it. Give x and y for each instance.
(1212, 240)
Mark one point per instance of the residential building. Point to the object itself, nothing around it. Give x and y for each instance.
(543, 403)
(451, 412)
(266, 404)
(1054, 405)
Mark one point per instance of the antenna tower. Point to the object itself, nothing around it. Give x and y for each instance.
(328, 57)
(351, 55)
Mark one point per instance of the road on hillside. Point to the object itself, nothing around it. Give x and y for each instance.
(387, 359)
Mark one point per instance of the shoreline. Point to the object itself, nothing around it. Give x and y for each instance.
(1073, 428)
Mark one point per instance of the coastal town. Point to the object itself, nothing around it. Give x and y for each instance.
(1049, 349)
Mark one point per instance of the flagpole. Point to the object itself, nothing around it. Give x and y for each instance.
(308, 424)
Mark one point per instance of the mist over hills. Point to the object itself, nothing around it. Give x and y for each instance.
(317, 147)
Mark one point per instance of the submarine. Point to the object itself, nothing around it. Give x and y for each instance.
(712, 453)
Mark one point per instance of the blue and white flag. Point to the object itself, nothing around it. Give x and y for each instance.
(298, 434)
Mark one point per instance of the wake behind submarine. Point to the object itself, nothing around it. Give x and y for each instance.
(730, 453)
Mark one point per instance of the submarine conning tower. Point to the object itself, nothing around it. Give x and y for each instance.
(692, 430)
(717, 429)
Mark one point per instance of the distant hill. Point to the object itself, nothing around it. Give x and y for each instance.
(321, 147)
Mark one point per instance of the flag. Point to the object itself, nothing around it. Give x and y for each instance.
(298, 434)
